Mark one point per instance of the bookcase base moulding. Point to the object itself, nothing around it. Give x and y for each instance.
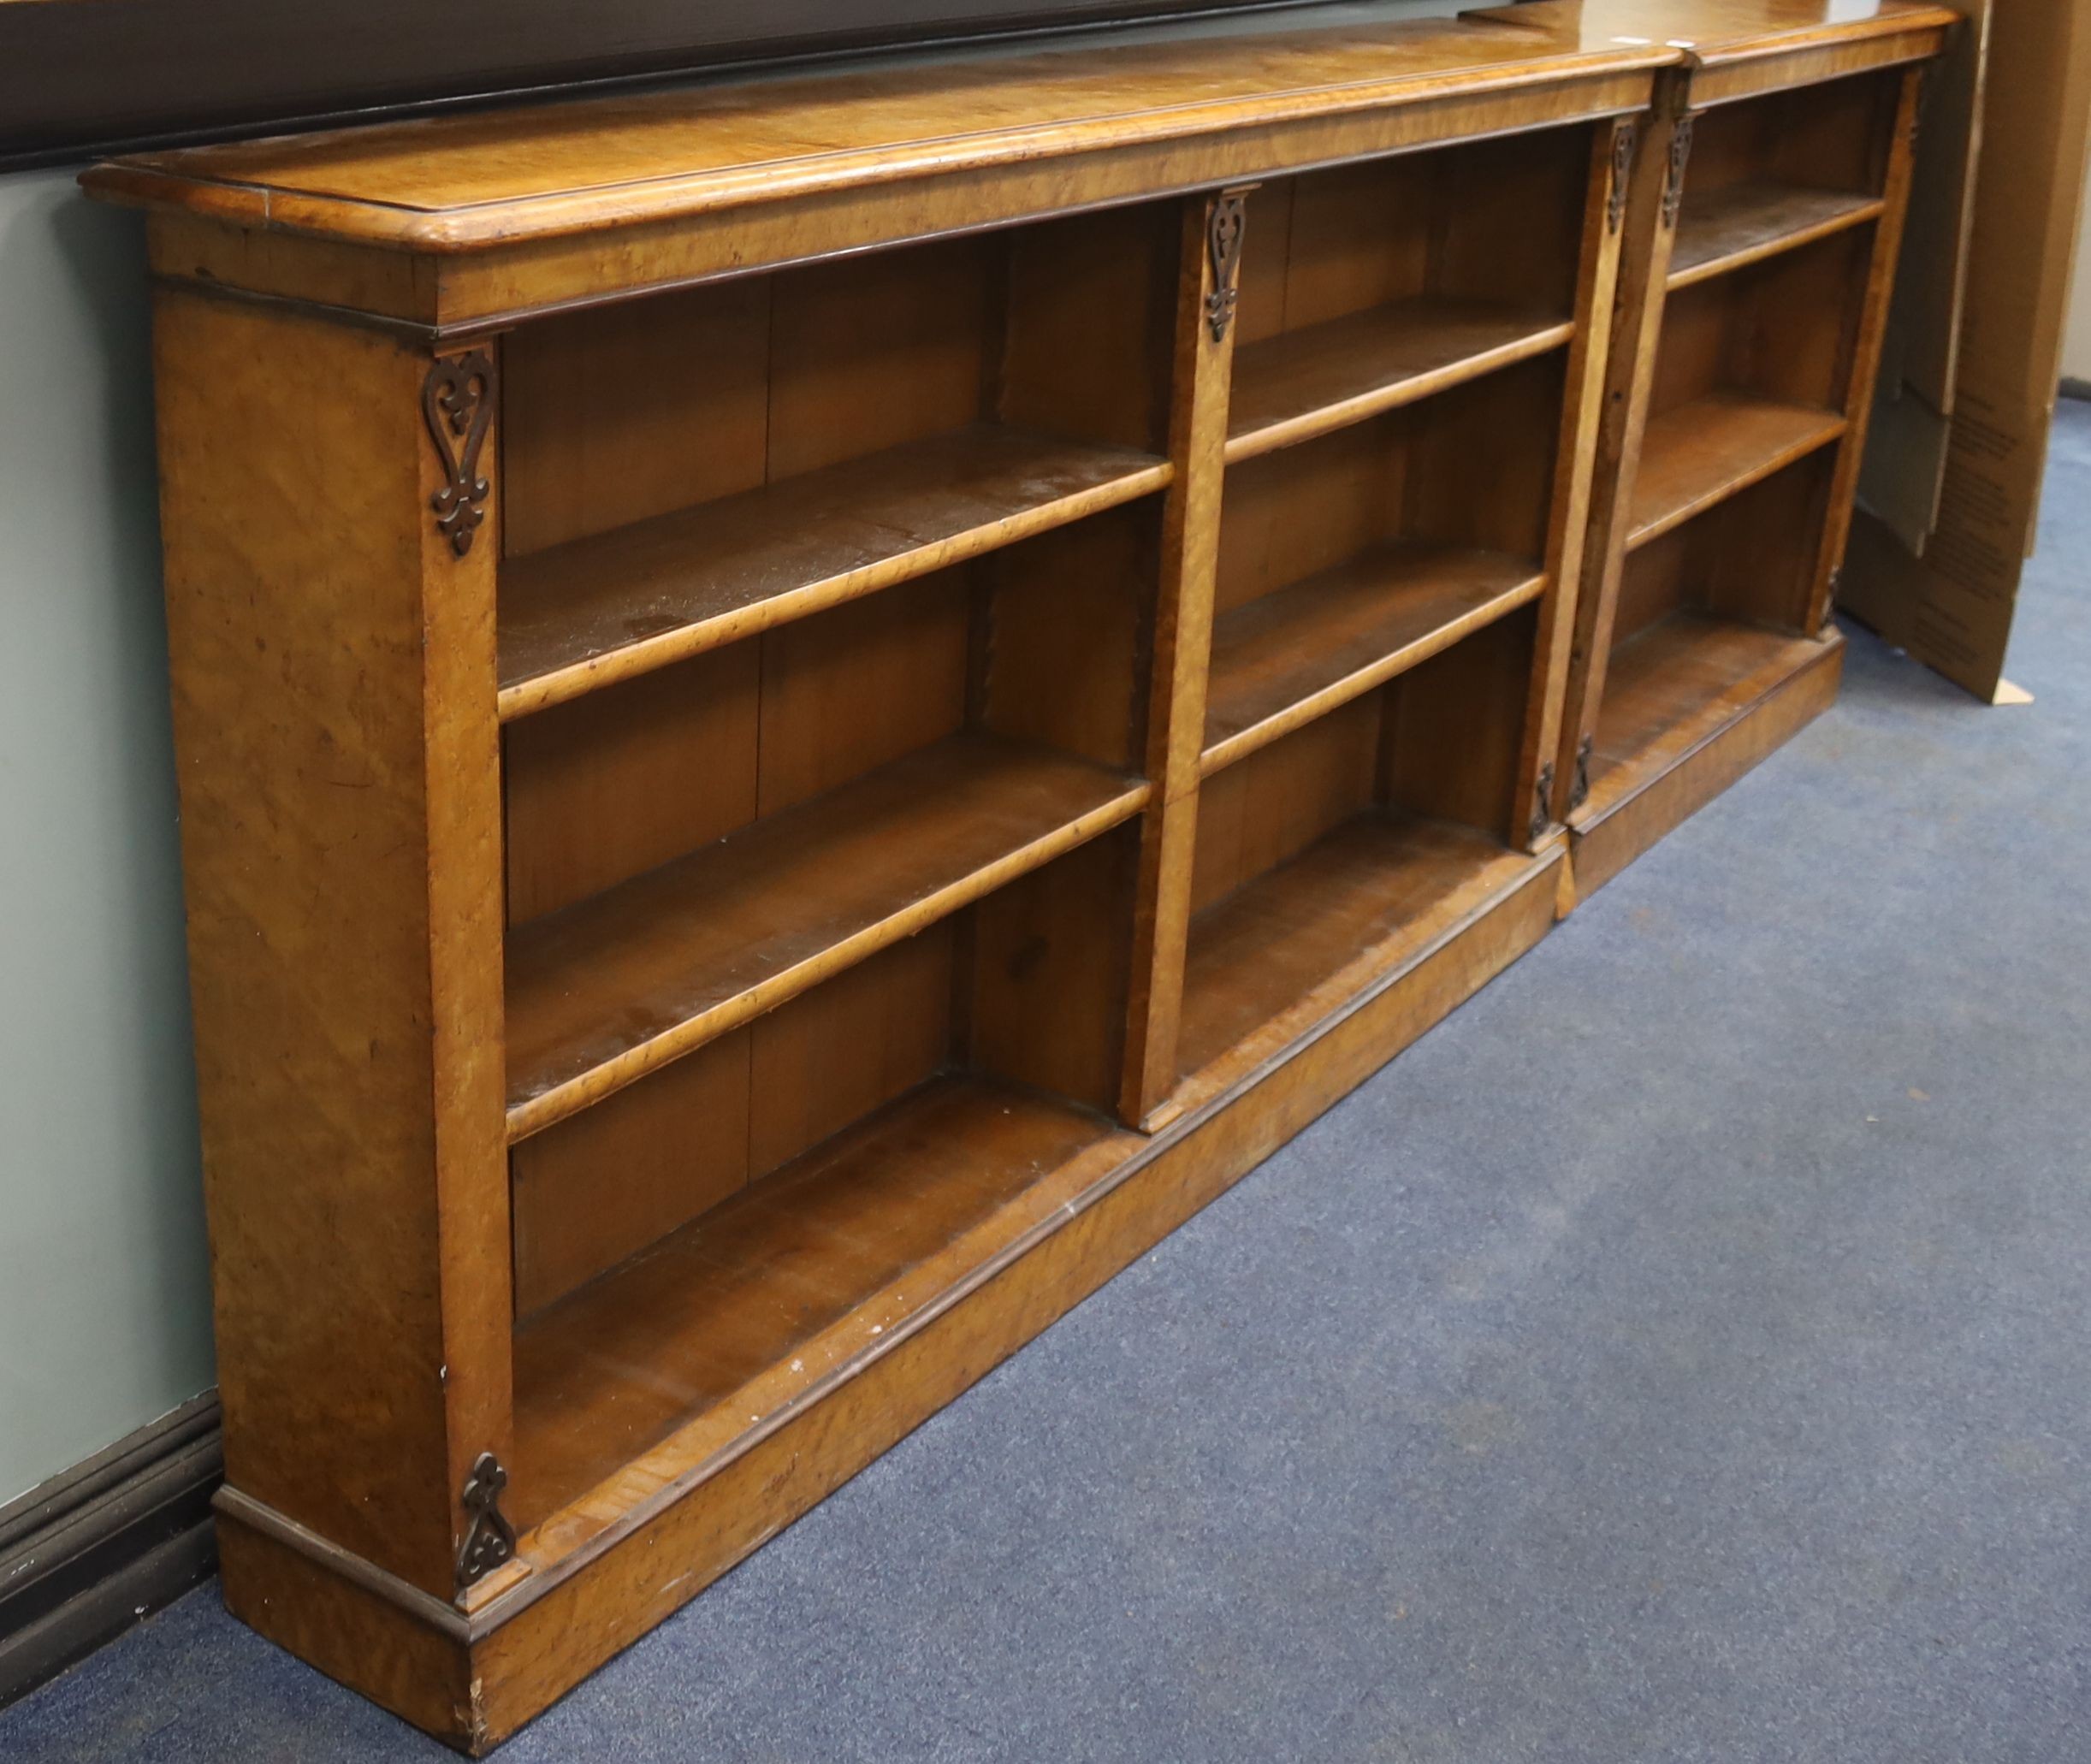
(811, 708)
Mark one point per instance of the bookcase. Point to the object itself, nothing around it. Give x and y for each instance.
(810, 708)
(1747, 339)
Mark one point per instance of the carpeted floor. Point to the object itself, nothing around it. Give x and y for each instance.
(1684, 1352)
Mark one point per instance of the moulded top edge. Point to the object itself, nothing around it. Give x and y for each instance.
(463, 182)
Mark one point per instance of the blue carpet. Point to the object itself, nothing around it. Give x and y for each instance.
(1683, 1353)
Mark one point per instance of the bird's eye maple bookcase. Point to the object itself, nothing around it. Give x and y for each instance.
(1768, 211)
(810, 707)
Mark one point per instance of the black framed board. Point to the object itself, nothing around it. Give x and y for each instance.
(84, 76)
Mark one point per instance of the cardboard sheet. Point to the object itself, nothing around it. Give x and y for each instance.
(1951, 491)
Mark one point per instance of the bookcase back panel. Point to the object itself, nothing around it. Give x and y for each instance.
(1830, 136)
(1748, 557)
(593, 1189)
(1473, 467)
(1783, 329)
(859, 685)
(1452, 729)
(1087, 342)
(1028, 986)
(1485, 458)
(1492, 221)
(619, 413)
(1064, 634)
(1043, 1001)
(868, 353)
(1441, 741)
(1280, 800)
(623, 411)
(1737, 561)
(601, 1186)
(1290, 514)
(1045, 642)
(613, 784)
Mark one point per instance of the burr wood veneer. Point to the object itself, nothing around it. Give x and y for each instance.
(810, 708)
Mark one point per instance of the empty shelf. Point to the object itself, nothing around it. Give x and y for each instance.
(1305, 382)
(1360, 901)
(1727, 228)
(1670, 688)
(616, 985)
(767, 1295)
(588, 613)
(1286, 658)
(1702, 452)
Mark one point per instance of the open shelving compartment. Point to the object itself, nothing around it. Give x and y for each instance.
(1731, 521)
(822, 799)
(1392, 466)
(1773, 172)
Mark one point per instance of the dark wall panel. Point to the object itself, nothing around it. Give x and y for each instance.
(92, 75)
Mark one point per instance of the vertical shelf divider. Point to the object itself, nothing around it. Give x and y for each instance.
(1613, 161)
(1648, 232)
(1214, 225)
(1863, 367)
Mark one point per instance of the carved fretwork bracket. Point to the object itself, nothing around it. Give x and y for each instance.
(1673, 183)
(1225, 222)
(1626, 141)
(1542, 802)
(457, 399)
(1829, 597)
(1579, 787)
(489, 1540)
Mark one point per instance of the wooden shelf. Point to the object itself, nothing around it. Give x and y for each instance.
(1303, 383)
(1286, 658)
(1728, 228)
(617, 985)
(586, 614)
(1673, 687)
(774, 1291)
(1702, 453)
(1361, 902)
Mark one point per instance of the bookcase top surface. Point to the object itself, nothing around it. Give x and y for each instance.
(1714, 32)
(486, 179)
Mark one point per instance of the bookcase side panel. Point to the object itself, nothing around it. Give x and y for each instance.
(331, 646)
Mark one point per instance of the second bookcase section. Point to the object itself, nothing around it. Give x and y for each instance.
(1750, 375)
(1708, 625)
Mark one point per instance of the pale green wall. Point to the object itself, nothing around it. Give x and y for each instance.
(105, 1304)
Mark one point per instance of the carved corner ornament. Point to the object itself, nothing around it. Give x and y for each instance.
(1542, 802)
(457, 399)
(1680, 156)
(489, 1539)
(1224, 224)
(1625, 139)
(1578, 786)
